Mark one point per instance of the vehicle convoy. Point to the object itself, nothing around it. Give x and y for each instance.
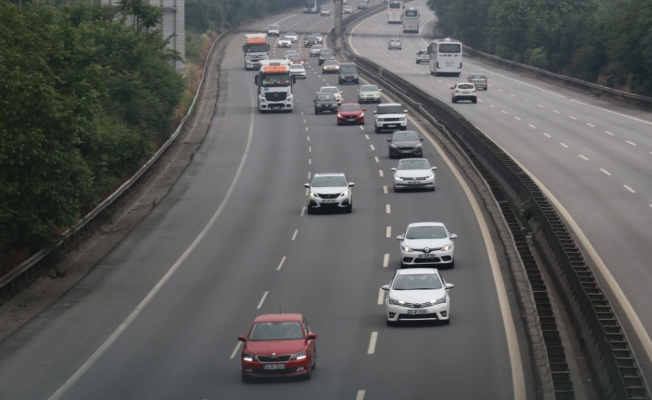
(255, 50)
(427, 243)
(274, 83)
(445, 57)
(278, 345)
(329, 191)
(411, 20)
(390, 116)
(418, 294)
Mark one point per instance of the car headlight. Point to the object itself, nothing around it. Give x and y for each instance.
(313, 194)
(430, 177)
(248, 357)
(406, 249)
(289, 98)
(418, 145)
(298, 356)
(395, 302)
(392, 145)
(345, 193)
(398, 178)
(439, 301)
(446, 247)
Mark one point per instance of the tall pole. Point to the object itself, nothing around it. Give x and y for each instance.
(338, 19)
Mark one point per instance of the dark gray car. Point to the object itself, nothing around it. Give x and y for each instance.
(405, 143)
(326, 54)
(310, 41)
(325, 102)
(348, 73)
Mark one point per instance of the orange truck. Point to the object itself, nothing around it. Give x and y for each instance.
(275, 82)
(255, 50)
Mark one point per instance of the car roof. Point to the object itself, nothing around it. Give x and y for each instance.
(413, 224)
(348, 64)
(328, 87)
(413, 159)
(418, 271)
(389, 104)
(329, 174)
(279, 317)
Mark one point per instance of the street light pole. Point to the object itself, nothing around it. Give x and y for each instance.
(338, 19)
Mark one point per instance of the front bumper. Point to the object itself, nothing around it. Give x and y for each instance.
(414, 184)
(439, 312)
(300, 76)
(292, 368)
(413, 152)
(440, 257)
(392, 125)
(273, 106)
(318, 203)
(343, 120)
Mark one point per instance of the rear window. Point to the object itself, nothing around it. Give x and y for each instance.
(390, 109)
(450, 48)
(465, 86)
(395, 6)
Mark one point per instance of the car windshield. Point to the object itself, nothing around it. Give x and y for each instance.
(417, 282)
(390, 109)
(311, 37)
(330, 62)
(329, 181)
(332, 90)
(276, 331)
(317, 47)
(349, 69)
(326, 97)
(426, 232)
(395, 40)
(276, 80)
(405, 136)
(298, 67)
(368, 88)
(465, 86)
(413, 164)
(256, 48)
(273, 27)
(326, 52)
(350, 107)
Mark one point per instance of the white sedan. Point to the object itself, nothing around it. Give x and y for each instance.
(418, 294)
(334, 90)
(414, 173)
(284, 41)
(427, 243)
(298, 70)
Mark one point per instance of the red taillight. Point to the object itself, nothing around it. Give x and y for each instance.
(485, 80)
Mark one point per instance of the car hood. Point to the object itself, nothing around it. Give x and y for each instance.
(423, 243)
(407, 143)
(417, 296)
(266, 348)
(329, 190)
(351, 113)
(412, 173)
(323, 102)
(391, 115)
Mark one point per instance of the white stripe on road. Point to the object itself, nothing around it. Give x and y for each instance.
(360, 395)
(281, 263)
(235, 351)
(380, 172)
(388, 209)
(381, 296)
(372, 343)
(295, 234)
(386, 261)
(388, 232)
(262, 301)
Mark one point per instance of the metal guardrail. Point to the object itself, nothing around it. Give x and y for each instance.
(613, 365)
(593, 87)
(32, 264)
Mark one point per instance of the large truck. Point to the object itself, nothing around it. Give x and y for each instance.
(255, 50)
(274, 83)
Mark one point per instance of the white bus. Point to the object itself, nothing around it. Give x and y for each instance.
(311, 6)
(395, 12)
(411, 20)
(445, 57)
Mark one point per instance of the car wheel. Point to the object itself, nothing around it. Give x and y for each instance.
(245, 378)
(417, 62)
(391, 323)
(391, 155)
(452, 264)
(396, 190)
(349, 208)
(377, 130)
(310, 210)
(316, 111)
(454, 100)
(474, 101)
(487, 88)
(308, 374)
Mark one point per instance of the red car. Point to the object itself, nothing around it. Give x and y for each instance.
(350, 113)
(278, 345)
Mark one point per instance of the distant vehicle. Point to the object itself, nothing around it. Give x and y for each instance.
(332, 90)
(311, 6)
(362, 5)
(289, 53)
(423, 55)
(369, 94)
(405, 143)
(274, 83)
(347, 9)
(330, 67)
(284, 41)
(296, 58)
(292, 36)
(255, 50)
(464, 91)
(314, 50)
(394, 43)
(427, 243)
(298, 70)
(411, 20)
(278, 345)
(326, 54)
(479, 80)
(418, 294)
(325, 12)
(329, 191)
(310, 41)
(320, 37)
(395, 12)
(445, 57)
(325, 102)
(390, 116)
(414, 173)
(273, 30)
(348, 74)
(350, 113)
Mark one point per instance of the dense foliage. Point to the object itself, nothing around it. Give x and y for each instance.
(604, 41)
(84, 92)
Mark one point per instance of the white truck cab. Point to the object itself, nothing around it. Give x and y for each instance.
(255, 50)
(274, 83)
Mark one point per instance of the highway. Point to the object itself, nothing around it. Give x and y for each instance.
(591, 157)
(158, 318)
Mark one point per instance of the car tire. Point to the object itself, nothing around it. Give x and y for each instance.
(316, 111)
(474, 101)
(446, 321)
(417, 62)
(391, 156)
(245, 378)
(452, 264)
(308, 374)
(349, 209)
(396, 190)
(390, 323)
(377, 130)
(487, 88)
(454, 100)
(310, 210)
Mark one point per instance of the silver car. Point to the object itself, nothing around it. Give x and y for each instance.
(414, 173)
(347, 10)
(314, 50)
(284, 41)
(427, 243)
(330, 67)
(329, 191)
(369, 94)
(293, 36)
(298, 70)
(479, 80)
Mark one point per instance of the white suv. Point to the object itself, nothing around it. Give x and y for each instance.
(390, 116)
(329, 191)
(273, 30)
(464, 91)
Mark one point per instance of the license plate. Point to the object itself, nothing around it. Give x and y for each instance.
(417, 312)
(274, 366)
(328, 201)
(391, 126)
(413, 183)
(427, 256)
(406, 151)
(351, 119)
(465, 92)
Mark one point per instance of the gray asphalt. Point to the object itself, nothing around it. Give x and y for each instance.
(180, 344)
(567, 140)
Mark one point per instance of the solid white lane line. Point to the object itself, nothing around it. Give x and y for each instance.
(366, 136)
(381, 296)
(372, 147)
(591, 125)
(546, 134)
(372, 343)
(388, 209)
(262, 301)
(630, 189)
(360, 395)
(380, 172)
(295, 234)
(386, 261)
(584, 158)
(605, 171)
(385, 189)
(563, 145)
(609, 133)
(632, 143)
(613, 112)
(235, 351)
(376, 158)
(517, 118)
(388, 231)
(303, 210)
(571, 117)
(281, 263)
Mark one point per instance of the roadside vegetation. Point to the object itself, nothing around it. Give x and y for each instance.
(603, 41)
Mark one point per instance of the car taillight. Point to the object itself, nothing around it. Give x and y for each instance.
(473, 90)
(485, 80)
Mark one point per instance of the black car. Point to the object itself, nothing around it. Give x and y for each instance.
(405, 143)
(348, 73)
(310, 41)
(326, 54)
(325, 102)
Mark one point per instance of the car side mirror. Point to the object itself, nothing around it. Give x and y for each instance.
(394, 169)
(421, 140)
(351, 184)
(405, 111)
(389, 140)
(385, 288)
(399, 237)
(449, 286)
(312, 336)
(375, 112)
(241, 338)
(306, 185)
(453, 236)
(364, 109)
(358, 90)
(433, 168)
